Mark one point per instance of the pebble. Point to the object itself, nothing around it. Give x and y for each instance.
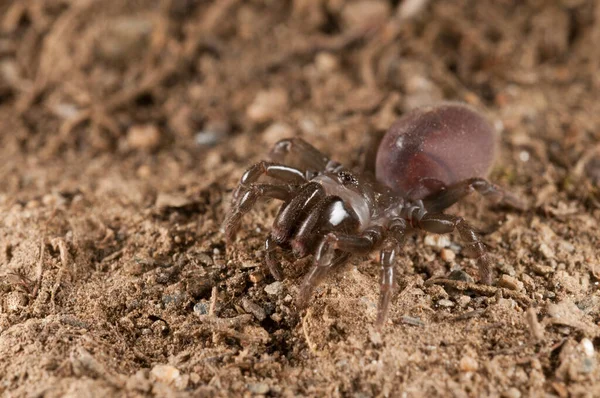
(460, 275)
(201, 307)
(588, 347)
(438, 241)
(15, 301)
(143, 137)
(447, 255)
(463, 300)
(165, 373)
(363, 14)
(510, 282)
(437, 292)
(468, 364)
(254, 309)
(267, 105)
(326, 62)
(274, 288)
(256, 276)
(445, 303)
(546, 251)
(276, 317)
(511, 393)
(259, 388)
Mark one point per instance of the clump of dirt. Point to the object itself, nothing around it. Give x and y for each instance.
(124, 127)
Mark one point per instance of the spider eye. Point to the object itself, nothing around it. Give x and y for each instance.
(346, 178)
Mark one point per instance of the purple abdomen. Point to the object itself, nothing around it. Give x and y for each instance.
(434, 146)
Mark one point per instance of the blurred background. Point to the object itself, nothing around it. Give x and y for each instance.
(124, 125)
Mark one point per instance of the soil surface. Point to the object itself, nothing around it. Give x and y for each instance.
(125, 126)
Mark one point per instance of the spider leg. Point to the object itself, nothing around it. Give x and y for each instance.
(286, 222)
(277, 171)
(306, 155)
(270, 260)
(328, 254)
(441, 223)
(447, 197)
(390, 246)
(247, 200)
(303, 241)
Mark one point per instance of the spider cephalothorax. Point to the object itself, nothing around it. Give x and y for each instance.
(428, 160)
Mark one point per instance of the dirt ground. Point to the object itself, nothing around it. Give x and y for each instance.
(124, 127)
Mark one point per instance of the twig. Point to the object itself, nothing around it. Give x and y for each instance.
(311, 345)
(40, 270)
(213, 302)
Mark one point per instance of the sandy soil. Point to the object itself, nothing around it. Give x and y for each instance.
(123, 130)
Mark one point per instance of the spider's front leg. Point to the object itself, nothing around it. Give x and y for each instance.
(248, 198)
(454, 193)
(301, 152)
(441, 223)
(333, 246)
(277, 171)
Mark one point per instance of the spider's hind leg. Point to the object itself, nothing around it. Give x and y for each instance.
(441, 223)
(445, 198)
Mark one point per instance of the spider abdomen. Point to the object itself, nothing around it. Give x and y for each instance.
(435, 146)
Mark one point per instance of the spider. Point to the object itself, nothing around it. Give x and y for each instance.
(429, 159)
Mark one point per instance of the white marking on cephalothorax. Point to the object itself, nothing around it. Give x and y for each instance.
(352, 199)
(338, 214)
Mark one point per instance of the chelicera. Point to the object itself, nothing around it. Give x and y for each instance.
(428, 160)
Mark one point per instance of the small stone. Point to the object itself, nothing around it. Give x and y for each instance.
(259, 388)
(256, 276)
(139, 381)
(194, 377)
(468, 364)
(167, 200)
(445, 303)
(375, 337)
(15, 301)
(326, 62)
(254, 309)
(510, 282)
(436, 292)
(511, 393)
(546, 251)
(276, 317)
(437, 241)
(165, 373)
(267, 105)
(566, 281)
(363, 14)
(143, 137)
(463, 301)
(535, 328)
(201, 307)
(447, 255)
(274, 288)
(460, 275)
(587, 347)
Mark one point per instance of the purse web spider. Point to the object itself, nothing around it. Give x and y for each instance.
(428, 160)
